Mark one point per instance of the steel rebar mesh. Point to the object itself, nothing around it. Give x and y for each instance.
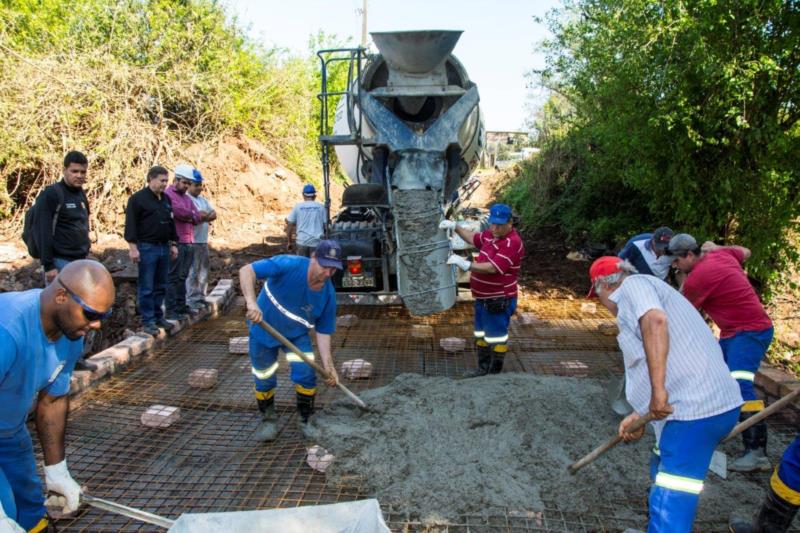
(208, 460)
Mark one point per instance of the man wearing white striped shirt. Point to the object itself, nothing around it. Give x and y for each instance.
(674, 369)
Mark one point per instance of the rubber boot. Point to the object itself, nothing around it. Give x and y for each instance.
(484, 362)
(775, 516)
(305, 408)
(267, 429)
(754, 458)
(498, 354)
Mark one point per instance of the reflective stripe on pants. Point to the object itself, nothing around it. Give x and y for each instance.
(264, 362)
(743, 354)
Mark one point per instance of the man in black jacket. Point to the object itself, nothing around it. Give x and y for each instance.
(150, 232)
(62, 225)
(68, 240)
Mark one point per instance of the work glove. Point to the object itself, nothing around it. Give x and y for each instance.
(459, 261)
(447, 225)
(7, 525)
(59, 480)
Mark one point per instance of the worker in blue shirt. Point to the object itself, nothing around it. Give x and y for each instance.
(41, 337)
(782, 499)
(297, 296)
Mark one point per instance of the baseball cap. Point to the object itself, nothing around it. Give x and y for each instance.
(602, 267)
(196, 176)
(680, 244)
(661, 237)
(499, 214)
(309, 189)
(329, 254)
(184, 171)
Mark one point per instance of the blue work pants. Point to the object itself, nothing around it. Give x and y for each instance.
(678, 468)
(153, 270)
(743, 354)
(20, 486)
(785, 480)
(264, 361)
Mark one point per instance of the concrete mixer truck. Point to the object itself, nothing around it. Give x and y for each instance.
(407, 131)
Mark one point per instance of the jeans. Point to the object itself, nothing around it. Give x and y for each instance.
(176, 282)
(59, 263)
(197, 282)
(20, 486)
(153, 270)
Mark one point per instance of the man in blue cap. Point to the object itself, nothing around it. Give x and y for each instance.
(297, 296)
(308, 217)
(197, 282)
(493, 281)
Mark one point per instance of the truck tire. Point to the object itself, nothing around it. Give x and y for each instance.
(364, 194)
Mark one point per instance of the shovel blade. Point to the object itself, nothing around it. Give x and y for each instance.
(719, 464)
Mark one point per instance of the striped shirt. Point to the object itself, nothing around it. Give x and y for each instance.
(698, 381)
(506, 255)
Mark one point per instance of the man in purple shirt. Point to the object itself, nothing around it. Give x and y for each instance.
(186, 216)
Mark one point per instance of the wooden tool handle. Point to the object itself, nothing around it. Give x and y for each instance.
(610, 443)
(761, 415)
(313, 364)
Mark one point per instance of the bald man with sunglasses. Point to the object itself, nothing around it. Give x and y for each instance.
(41, 337)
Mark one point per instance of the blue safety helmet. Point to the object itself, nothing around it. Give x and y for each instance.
(309, 190)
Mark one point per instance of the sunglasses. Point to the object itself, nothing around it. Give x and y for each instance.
(90, 314)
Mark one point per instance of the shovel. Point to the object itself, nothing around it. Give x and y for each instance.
(324, 373)
(719, 461)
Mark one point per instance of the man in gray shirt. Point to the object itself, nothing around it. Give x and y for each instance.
(197, 281)
(674, 370)
(308, 217)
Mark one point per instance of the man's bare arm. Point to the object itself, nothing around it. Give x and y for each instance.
(51, 425)
(655, 338)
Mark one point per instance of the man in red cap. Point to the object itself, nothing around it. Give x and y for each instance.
(674, 370)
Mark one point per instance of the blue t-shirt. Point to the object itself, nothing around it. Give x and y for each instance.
(286, 277)
(29, 362)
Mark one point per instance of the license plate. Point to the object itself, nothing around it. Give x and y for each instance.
(358, 280)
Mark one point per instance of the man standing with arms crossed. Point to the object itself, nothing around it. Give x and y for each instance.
(41, 337)
(197, 282)
(717, 284)
(493, 281)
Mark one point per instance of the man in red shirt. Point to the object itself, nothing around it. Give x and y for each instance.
(717, 284)
(493, 281)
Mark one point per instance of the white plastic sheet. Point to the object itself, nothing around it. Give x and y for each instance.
(349, 517)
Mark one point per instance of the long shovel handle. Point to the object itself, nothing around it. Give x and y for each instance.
(313, 364)
(610, 443)
(761, 415)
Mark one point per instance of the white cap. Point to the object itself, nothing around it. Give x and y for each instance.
(184, 171)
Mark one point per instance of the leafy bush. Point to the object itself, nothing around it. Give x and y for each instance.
(132, 83)
(678, 113)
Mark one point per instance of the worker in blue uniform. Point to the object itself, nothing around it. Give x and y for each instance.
(297, 296)
(41, 337)
(783, 497)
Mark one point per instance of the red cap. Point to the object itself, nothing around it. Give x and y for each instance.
(602, 267)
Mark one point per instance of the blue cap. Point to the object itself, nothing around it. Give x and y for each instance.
(196, 176)
(329, 254)
(309, 190)
(499, 214)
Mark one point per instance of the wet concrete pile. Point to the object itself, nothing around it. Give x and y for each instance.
(437, 449)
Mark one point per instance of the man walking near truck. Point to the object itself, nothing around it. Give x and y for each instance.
(308, 218)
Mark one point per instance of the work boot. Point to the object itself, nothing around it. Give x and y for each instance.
(754, 458)
(484, 362)
(498, 354)
(267, 430)
(305, 408)
(775, 516)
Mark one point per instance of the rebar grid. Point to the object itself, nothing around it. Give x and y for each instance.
(208, 460)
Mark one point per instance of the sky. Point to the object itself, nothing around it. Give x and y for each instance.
(497, 47)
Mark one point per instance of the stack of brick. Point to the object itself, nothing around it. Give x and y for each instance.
(160, 416)
(357, 369)
(240, 345)
(318, 458)
(346, 321)
(452, 344)
(203, 378)
(422, 331)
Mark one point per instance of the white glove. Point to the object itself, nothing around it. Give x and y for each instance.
(58, 480)
(7, 525)
(459, 261)
(447, 224)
